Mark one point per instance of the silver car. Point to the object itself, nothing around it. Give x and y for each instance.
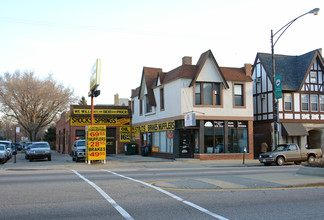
(78, 150)
(39, 150)
(3, 153)
(8, 146)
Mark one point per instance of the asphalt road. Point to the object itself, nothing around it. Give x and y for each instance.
(62, 189)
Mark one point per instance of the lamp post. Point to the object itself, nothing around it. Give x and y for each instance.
(273, 43)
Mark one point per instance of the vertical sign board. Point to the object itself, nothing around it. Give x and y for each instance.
(278, 90)
(96, 142)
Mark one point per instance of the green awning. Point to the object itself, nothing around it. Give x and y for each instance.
(293, 129)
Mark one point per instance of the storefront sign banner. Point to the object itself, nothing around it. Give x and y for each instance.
(101, 111)
(190, 119)
(107, 121)
(96, 142)
(125, 134)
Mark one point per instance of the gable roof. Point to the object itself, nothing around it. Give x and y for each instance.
(236, 74)
(200, 64)
(150, 75)
(293, 69)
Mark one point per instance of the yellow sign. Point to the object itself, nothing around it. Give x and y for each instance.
(125, 134)
(155, 149)
(84, 121)
(161, 126)
(101, 111)
(96, 142)
(95, 75)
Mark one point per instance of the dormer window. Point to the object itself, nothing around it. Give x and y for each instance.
(148, 107)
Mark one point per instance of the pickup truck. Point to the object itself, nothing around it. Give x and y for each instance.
(289, 153)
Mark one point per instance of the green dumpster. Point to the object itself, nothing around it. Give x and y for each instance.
(130, 148)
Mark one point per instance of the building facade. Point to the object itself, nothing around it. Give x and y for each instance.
(195, 111)
(301, 108)
(72, 125)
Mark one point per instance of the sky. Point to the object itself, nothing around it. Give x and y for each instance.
(65, 37)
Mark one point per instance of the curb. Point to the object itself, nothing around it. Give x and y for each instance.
(313, 171)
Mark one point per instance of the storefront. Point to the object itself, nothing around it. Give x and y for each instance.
(207, 139)
(71, 126)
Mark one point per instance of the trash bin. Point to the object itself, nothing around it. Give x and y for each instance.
(130, 148)
(145, 150)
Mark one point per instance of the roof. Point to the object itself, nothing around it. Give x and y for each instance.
(186, 71)
(235, 74)
(291, 68)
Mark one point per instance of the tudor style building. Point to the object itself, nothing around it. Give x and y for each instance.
(301, 108)
(202, 111)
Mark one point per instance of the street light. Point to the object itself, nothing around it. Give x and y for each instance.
(275, 101)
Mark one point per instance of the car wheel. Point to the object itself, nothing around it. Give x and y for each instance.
(77, 159)
(30, 159)
(311, 159)
(49, 158)
(280, 161)
(73, 158)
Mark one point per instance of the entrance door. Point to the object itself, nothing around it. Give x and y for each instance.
(111, 141)
(186, 145)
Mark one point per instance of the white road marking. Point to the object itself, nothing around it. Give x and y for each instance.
(107, 197)
(172, 196)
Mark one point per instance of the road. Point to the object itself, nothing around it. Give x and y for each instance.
(61, 189)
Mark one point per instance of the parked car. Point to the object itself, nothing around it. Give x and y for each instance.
(8, 147)
(39, 150)
(289, 153)
(78, 150)
(3, 153)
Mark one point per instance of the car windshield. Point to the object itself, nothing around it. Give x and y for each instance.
(81, 143)
(281, 147)
(39, 146)
(2, 148)
(5, 143)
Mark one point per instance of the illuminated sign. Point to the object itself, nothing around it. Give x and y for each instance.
(95, 75)
(101, 111)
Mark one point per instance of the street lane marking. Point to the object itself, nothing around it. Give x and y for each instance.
(172, 196)
(107, 197)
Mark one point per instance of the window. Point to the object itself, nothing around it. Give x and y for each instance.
(207, 94)
(197, 94)
(141, 106)
(161, 99)
(322, 103)
(217, 94)
(314, 103)
(133, 107)
(304, 102)
(288, 101)
(148, 107)
(313, 77)
(238, 95)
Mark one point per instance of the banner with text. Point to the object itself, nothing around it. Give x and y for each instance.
(96, 142)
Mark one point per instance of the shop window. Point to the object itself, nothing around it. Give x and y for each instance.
(237, 137)
(163, 140)
(214, 137)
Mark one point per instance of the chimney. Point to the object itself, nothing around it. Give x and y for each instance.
(116, 99)
(187, 60)
(248, 69)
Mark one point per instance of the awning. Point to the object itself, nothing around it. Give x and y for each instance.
(293, 129)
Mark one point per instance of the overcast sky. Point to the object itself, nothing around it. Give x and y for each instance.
(65, 37)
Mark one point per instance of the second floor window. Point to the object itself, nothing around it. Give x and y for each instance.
(207, 93)
(288, 101)
(314, 103)
(238, 95)
(322, 103)
(313, 77)
(148, 107)
(305, 102)
(161, 99)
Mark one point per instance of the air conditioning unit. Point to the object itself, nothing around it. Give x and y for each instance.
(258, 80)
(262, 96)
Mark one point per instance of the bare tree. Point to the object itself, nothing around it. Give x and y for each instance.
(33, 103)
